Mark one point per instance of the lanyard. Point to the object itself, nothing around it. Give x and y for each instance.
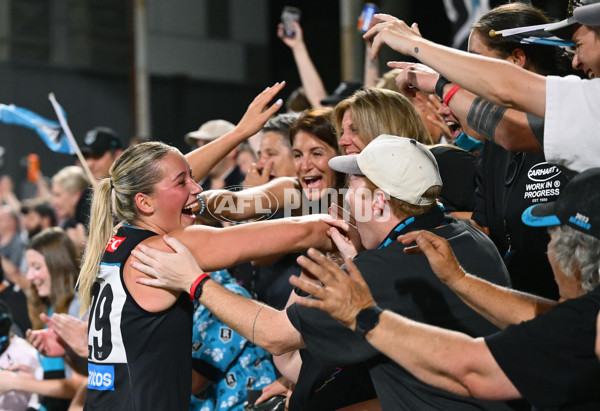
(430, 219)
(396, 232)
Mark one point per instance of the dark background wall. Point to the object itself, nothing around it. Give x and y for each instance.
(82, 51)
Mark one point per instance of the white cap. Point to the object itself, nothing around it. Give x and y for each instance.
(211, 130)
(401, 167)
(588, 15)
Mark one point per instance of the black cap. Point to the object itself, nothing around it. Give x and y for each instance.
(100, 140)
(344, 90)
(578, 206)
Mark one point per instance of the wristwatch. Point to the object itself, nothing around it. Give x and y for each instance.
(367, 319)
(439, 86)
(196, 288)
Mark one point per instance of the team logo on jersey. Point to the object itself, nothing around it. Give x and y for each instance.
(225, 335)
(250, 382)
(101, 377)
(230, 380)
(114, 243)
(196, 346)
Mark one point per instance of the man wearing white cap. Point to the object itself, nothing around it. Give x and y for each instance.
(226, 173)
(209, 131)
(394, 183)
(545, 352)
(569, 105)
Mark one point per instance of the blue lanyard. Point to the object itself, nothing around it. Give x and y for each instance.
(431, 219)
(396, 232)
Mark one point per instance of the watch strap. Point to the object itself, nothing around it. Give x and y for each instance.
(196, 288)
(439, 86)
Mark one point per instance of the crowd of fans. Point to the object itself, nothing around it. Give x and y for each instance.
(428, 238)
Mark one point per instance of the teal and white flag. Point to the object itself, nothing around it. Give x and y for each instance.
(49, 131)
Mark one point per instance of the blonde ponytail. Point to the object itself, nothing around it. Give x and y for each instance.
(101, 229)
(137, 170)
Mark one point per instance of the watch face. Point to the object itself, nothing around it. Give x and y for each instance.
(367, 319)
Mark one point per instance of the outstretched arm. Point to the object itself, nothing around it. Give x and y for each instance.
(499, 305)
(290, 363)
(252, 202)
(219, 248)
(309, 76)
(446, 359)
(257, 322)
(371, 67)
(509, 128)
(203, 159)
(59, 388)
(500, 82)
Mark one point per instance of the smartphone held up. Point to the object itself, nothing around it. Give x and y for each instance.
(365, 21)
(289, 15)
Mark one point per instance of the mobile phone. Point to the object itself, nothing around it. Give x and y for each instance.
(289, 15)
(365, 21)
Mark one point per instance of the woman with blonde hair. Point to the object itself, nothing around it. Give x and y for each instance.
(371, 112)
(368, 113)
(68, 184)
(71, 191)
(357, 120)
(140, 336)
